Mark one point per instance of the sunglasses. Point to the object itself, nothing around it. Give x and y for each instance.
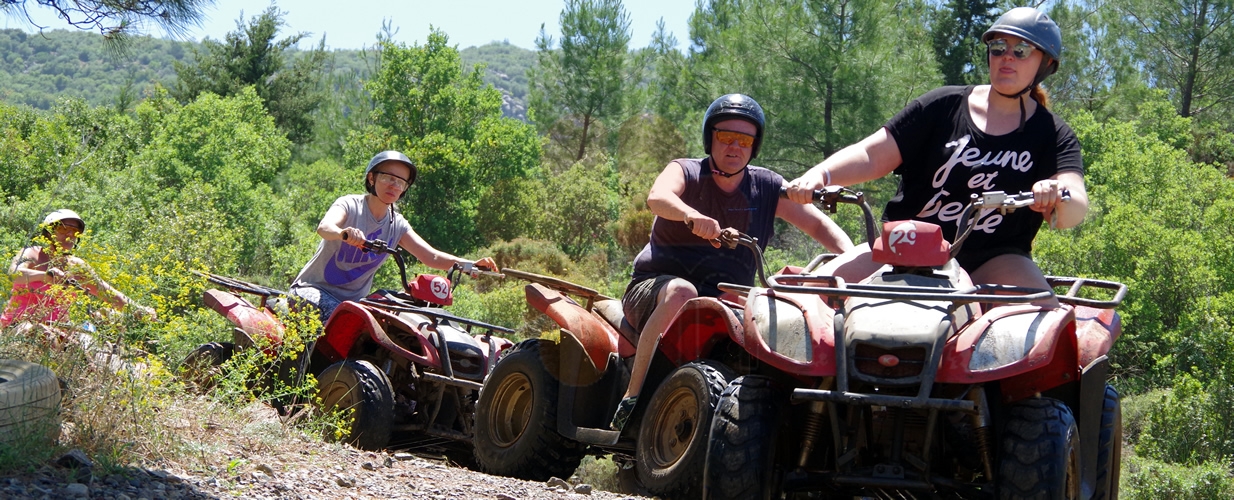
(66, 229)
(729, 137)
(998, 47)
(391, 179)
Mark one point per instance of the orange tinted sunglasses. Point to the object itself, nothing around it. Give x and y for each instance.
(729, 137)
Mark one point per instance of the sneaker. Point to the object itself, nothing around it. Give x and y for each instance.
(622, 415)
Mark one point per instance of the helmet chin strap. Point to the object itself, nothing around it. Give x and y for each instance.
(724, 174)
(1019, 96)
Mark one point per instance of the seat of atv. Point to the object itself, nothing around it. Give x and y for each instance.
(611, 311)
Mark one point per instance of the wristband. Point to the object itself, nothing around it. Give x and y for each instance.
(344, 235)
(826, 177)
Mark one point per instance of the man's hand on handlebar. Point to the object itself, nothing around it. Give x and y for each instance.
(801, 191)
(703, 226)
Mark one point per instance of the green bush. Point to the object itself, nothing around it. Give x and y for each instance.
(1147, 479)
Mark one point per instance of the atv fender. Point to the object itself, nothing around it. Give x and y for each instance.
(698, 326)
(586, 331)
(253, 321)
(794, 333)
(351, 322)
(1010, 341)
(1095, 331)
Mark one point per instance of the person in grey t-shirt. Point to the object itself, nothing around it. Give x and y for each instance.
(341, 270)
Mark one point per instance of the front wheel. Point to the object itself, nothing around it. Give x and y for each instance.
(741, 454)
(516, 420)
(672, 440)
(363, 391)
(1040, 452)
(1109, 446)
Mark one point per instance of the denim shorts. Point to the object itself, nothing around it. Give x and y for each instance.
(321, 299)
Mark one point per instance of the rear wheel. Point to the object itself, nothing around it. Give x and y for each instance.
(516, 420)
(672, 440)
(1040, 452)
(202, 365)
(741, 454)
(1109, 446)
(363, 391)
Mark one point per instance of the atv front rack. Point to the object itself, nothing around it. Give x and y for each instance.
(836, 287)
(1076, 284)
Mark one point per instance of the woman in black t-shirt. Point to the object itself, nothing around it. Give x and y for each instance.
(956, 141)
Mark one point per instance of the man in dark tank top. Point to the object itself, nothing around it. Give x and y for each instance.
(693, 201)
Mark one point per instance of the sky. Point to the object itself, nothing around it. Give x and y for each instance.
(353, 24)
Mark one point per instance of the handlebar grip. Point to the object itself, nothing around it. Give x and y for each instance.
(818, 193)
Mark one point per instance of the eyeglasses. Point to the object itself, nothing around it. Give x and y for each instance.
(391, 179)
(1022, 50)
(729, 137)
(67, 229)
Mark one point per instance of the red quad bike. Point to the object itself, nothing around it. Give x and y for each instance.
(549, 403)
(914, 383)
(397, 359)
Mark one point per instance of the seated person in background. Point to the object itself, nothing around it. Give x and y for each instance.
(341, 270)
(35, 300)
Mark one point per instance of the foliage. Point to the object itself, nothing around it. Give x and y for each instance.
(116, 19)
(450, 124)
(288, 86)
(38, 69)
(579, 80)
(505, 68)
(1145, 479)
(957, 27)
(1186, 45)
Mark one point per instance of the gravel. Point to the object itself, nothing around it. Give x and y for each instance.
(329, 472)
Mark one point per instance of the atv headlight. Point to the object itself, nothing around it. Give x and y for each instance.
(1006, 341)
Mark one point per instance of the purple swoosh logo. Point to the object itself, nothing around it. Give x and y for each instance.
(350, 263)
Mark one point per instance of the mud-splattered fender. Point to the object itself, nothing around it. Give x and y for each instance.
(1096, 330)
(254, 321)
(794, 333)
(1008, 341)
(585, 330)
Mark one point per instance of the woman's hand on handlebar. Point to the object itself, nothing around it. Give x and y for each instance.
(1046, 194)
(486, 266)
(353, 237)
(801, 191)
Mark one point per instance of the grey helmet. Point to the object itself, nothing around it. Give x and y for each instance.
(734, 106)
(390, 155)
(1034, 27)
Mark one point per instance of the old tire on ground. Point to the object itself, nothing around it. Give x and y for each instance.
(29, 402)
(364, 389)
(1040, 452)
(672, 441)
(516, 420)
(1109, 446)
(741, 453)
(201, 365)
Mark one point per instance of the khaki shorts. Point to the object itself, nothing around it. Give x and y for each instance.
(640, 299)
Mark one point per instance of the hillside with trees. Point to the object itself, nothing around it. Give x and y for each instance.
(543, 159)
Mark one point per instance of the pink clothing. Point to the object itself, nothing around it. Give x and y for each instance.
(34, 298)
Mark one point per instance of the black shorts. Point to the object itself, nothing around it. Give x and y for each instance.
(640, 299)
(972, 261)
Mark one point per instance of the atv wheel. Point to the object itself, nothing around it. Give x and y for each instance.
(1109, 446)
(1040, 452)
(516, 420)
(672, 440)
(202, 365)
(363, 389)
(741, 454)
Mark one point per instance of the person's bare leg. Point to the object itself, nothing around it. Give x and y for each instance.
(1015, 270)
(669, 300)
(853, 266)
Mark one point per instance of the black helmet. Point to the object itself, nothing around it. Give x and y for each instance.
(1034, 27)
(730, 106)
(389, 156)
